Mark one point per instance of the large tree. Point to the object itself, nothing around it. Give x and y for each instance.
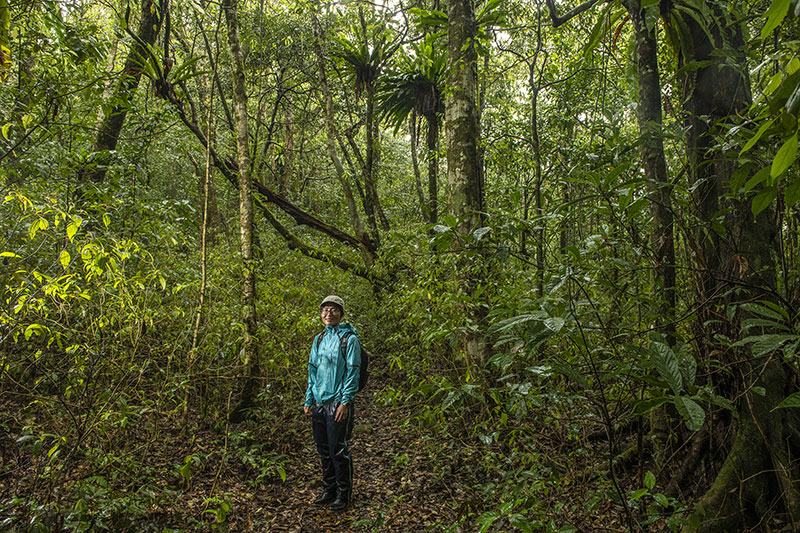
(735, 261)
(464, 166)
(248, 350)
(121, 98)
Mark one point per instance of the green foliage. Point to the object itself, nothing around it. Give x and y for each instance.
(414, 83)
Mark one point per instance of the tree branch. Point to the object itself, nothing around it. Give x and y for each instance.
(228, 169)
(558, 21)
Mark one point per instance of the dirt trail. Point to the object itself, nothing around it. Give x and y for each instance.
(394, 490)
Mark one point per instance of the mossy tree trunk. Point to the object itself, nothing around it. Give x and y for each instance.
(110, 127)
(248, 351)
(735, 261)
(464, 173)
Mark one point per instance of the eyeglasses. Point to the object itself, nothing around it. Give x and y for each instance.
(329, 311)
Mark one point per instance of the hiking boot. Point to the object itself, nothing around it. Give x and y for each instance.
(326, 497)
(339, 504)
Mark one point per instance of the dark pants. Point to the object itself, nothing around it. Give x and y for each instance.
(332, 438)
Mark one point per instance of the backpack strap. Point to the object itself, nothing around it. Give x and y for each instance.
(343, 345)
(319, 339)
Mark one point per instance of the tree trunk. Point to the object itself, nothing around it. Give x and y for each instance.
(412, 131)
(110, 127)
(463, 164)
(655, 168)
(248, 351)
(433, 167)
(534, 86)
(368, 247)
(735, 265)
(371, 205)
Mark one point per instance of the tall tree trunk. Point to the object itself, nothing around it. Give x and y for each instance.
(371, 205)
(432, 143)
(412, 131)
(463, 164)
(249, 356)
(110, 127)
(368, 247)
(655, 167)
(735, 265)
(537, 153)
(287, 170)
(372, 202)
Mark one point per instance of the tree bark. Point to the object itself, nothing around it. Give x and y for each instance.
(367, 245)
(655, 168)
(432, 139)
(464, 171)
(735, 264)
(412, 131)
(110, 127)
(248, 351)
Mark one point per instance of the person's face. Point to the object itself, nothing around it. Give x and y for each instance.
(331, 315)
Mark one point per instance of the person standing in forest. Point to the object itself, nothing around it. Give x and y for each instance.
(333, 380)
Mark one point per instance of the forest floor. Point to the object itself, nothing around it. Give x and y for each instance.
(395, 488)
(156, 478)
(153, 477)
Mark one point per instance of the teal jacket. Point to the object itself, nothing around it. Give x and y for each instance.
(330, 376)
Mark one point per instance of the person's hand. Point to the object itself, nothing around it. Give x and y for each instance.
(341, 413)
(307, 410)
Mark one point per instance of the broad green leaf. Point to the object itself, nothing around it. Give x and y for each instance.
(762, 323)
(756, 179)
(649, 480)
(34, 228)
(643, 407)
(64, 258)
(72, 229)
(481, 232)
(5, 129)
(766, 309)
(763, 199)
(793, 400)
(554, 324)
(774, 83)
(692, 413)
(570, 372)
(793, 102)
(665, 362)
(766, 344)
(785, 157)
(754, 139)
(791, 194)
(37, 329)
(775, 15)
(688, 368)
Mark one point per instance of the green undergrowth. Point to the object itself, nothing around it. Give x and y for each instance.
(114, 422)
